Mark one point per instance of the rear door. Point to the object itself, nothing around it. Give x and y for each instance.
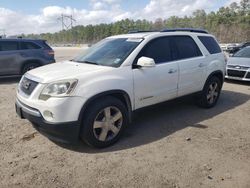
(9, 58)
(156, 84)
(192, 65)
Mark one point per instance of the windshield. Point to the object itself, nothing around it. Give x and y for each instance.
(245, 53)
(109, 52)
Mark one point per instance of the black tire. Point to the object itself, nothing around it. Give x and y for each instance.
(95, 110)
(29, 66)
(209, 97)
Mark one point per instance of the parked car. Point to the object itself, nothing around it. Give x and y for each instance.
(235, 48)
(93, 96)
(18, 56)
(238, 66)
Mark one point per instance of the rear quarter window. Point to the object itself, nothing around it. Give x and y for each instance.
(211, 44)
(29, 46)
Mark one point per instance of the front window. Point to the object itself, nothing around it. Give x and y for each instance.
(109, 52)
(244, 53)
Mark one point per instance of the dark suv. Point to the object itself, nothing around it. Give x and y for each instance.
(18, 56)
(234, 49)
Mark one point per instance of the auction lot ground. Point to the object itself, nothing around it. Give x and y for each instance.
(175, 144)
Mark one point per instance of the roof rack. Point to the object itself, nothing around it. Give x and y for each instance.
(185, 29)
(141, 31)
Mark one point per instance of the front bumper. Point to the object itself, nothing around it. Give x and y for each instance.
(62, 132)
(238, 74)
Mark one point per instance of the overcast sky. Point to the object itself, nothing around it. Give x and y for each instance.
(29, 16)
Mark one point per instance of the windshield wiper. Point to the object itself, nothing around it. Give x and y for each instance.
(88, 62)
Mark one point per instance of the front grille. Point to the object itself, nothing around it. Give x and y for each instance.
(248, 75)
(27, 86)
(236, 73)
(238, 67)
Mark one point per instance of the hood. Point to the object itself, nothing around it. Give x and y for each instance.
(245, 62)
(64, 70)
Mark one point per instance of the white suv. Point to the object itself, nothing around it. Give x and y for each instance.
(92, 97)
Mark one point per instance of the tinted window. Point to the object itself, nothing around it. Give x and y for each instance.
(246, 44)
(158, 49)
(29, 45)
(186, 47)
(211, 44)
(8, 45)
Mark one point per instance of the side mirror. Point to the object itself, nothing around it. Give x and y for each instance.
(146, 62)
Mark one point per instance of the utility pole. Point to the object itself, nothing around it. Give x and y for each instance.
(3, 33)
(67, 21)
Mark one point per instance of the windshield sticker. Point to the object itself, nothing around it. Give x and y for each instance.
(117, 60)
(134, 40)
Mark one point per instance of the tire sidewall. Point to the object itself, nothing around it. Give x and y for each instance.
(26, 67)
(205, 102)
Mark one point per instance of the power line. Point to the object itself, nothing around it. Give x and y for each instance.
(66, 21)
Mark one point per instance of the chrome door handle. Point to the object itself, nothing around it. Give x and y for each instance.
(171, 71)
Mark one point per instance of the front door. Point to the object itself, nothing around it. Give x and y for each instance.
(159, 83)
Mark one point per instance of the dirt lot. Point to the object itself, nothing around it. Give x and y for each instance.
(170, 145)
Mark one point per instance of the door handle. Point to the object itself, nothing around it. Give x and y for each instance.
(171, 71)
(202, 65)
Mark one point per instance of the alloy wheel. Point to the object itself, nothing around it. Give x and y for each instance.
(213, 92)
(107, 124)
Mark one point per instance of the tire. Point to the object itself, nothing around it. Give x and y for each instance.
(104, 122)
(29, 66)
(210, 93)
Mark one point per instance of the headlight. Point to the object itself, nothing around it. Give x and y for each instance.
(58, 89)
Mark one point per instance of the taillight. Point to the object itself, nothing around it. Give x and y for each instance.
(50, 52)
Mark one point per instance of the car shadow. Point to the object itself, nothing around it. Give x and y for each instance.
(159, 121)
(9, 80)
(244, 83)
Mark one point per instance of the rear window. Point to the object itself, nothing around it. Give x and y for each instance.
(211, 44)
(8, 46)
(29, 45)
(45, 45)
(186, 47)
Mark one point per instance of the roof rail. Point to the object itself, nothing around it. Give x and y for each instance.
(141, 31)
(185, 29)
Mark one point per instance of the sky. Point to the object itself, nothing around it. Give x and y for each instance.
(41, 16)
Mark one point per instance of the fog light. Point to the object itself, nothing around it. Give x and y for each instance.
(48, 114)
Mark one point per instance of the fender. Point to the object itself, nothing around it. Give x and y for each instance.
(116, 93)
(217, 73)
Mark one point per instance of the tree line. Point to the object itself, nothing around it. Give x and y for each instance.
(229, 24)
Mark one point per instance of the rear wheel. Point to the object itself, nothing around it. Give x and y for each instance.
(104, 122)
(29, 66)
(210, 93)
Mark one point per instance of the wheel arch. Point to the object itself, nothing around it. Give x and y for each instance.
(26, 62)
(219, 74)
(119, 94)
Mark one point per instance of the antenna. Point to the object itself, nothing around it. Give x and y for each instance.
(67, 21)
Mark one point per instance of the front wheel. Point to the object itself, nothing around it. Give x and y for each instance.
(104, 122)
(210, 93)
(29, 67)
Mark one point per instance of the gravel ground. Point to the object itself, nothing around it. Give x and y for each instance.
(175, 144)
